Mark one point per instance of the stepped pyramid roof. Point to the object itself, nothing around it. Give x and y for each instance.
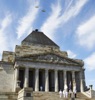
(36, 37)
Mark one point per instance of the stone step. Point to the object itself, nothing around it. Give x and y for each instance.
(8, 96)
(55, 96)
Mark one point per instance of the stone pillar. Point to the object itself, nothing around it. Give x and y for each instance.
(46, 81)
(73, 80)
(26, 78)
(65, 79)
(56, 80)
(37, 80)
(81, 82)
(16, 78)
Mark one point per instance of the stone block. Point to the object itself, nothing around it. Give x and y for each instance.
(25, 94)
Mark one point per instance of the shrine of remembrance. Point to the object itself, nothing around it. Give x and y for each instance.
(39, 63)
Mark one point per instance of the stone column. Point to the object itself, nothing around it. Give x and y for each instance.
(16, 77)
(65, 79)
(37, 80)
(46, 81)
(56, 80)
(26, 78)
(73, 80)
(81, 82)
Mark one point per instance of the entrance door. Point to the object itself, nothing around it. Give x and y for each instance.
(69, 80)
(51, 81)
(41, 80)
(21, 77)
(60, 80)
(32, 78)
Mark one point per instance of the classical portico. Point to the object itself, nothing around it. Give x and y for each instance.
(49, 79)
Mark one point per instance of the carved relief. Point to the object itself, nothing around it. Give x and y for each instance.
(49, 58)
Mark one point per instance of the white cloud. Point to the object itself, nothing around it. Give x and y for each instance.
(5, 23)
(26, 22)
(86, 33)
(90, 62)
(73, 10)
(53, 21)
(71, 54)
(57, 18)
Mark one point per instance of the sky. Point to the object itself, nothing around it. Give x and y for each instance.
(69, 23)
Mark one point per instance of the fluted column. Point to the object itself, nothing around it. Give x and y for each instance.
(73, 80)
(81, 82)
(56, 80)
(37, 80)
(65, 79)
(46, 81)
(26, 78)
(16, 77)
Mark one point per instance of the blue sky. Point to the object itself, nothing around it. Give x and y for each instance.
(69, 23)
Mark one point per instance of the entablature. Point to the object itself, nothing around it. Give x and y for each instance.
(50, 58)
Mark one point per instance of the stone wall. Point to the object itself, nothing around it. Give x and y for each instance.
(25, 94)
(8, 56)
(30, 50)
(6, 77)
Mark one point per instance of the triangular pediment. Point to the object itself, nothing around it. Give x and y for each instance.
(50, 58)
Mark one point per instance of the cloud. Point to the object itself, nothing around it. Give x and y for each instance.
(90, 62)
(86, 33)
(57, 18)
(26, 22)
(53, 21)
(71, 54)
(5, 23)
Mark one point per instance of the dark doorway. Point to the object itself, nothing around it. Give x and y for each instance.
(21, 77)
(69, 80)
(51, 81)
(77, 80)
(32, 78)
(60, 80)
(41, 80)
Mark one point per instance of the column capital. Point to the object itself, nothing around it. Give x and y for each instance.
(73, 71)
(26, 68)
(46, 69)
(55, 69)
(16, 65)
(36, 68)
(64, 70)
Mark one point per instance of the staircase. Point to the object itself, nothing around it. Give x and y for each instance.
(8, 96)
(55, 96)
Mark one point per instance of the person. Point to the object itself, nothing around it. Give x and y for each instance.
(72, 96)
(75, 93)
(60, 93)
(41, 88)
(65, 93)
(70, 85)
(70, 92)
